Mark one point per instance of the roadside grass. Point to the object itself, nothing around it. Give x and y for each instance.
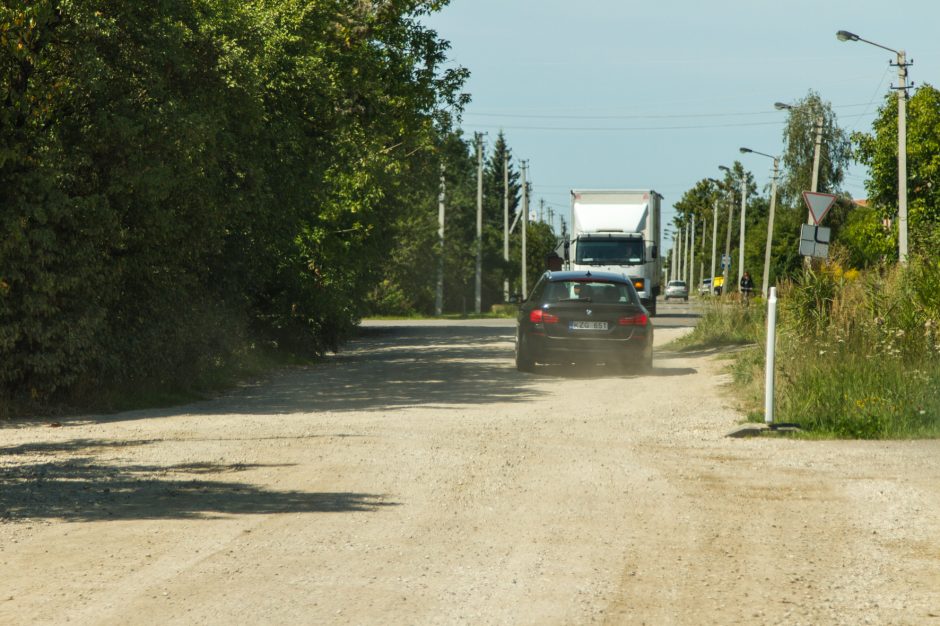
(858, 354)
(847, 393)
(723, 324)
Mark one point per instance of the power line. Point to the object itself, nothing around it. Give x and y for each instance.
(636, 116)
(607, 129)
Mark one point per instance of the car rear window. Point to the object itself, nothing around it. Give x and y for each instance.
(594, 291)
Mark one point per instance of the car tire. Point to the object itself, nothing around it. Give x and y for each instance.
(524, 360)
(646, 365)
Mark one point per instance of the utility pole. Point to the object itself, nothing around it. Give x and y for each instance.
(902, 65)
(682, 243)
(478, 291)
(674, 266)
(506, 222)
(685, 254)
(542, 210)
(525, 226)
(743, 210)
(678, 254)
(902, 156)
(770, 229)
(714, 242)
(770, 218)
(817, 150)
(808, 261)
(439, 295)
(692, 258)
(727, 258)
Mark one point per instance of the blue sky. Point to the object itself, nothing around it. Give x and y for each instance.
(617, 93)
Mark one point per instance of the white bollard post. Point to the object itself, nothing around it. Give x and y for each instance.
(771, 348)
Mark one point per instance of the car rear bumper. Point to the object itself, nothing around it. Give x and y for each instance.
(549, 349)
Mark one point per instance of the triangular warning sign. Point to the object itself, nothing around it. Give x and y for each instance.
(818, 204)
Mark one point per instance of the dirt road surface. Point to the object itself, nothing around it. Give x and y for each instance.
(417, 478)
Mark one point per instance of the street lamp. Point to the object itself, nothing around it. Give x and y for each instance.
(711, 277)
(770, 217)
(902, 64)
(741, 237)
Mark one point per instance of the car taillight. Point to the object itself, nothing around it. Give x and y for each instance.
(636, 320)
(538, 316)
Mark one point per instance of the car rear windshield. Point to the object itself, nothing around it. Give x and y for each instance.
(676, 283)
(591, 291)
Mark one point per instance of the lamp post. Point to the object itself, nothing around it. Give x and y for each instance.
(770, 218)
(691, 280)
(726, 260)
(717, 183)
(741, 235)
(741, 243)
(668, 259)
(902, 64)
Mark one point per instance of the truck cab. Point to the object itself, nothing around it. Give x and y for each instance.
(617, 230)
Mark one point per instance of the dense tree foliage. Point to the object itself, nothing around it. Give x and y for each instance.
(799, 143)
(179, 179)
(879, 151)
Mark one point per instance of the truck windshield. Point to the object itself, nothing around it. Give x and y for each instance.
(609, 252)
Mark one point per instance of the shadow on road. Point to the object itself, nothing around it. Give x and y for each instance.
(393, 369)
(81, 488)
(602, 371)
(385, 369)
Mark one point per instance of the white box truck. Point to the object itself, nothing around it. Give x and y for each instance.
(618, 230)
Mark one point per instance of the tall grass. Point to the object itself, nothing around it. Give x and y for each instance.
(724, 324)
(858, 354)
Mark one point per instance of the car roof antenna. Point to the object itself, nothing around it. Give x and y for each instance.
(588, 273)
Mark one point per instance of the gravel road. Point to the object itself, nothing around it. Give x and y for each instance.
(417, 478)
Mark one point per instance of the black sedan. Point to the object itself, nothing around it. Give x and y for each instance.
(584, 317)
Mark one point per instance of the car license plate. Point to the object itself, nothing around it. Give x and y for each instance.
(588, 325)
